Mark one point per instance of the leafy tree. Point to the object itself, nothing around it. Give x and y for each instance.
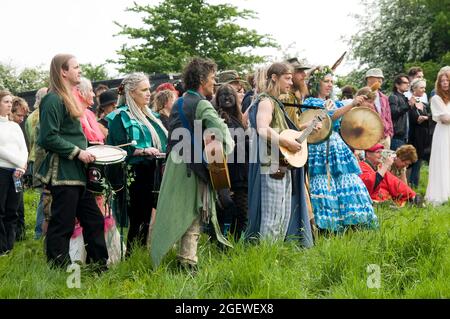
(95, 72)
(355, 78)
(27, 80)
(179, 29)
(396, 34)
(8, 78)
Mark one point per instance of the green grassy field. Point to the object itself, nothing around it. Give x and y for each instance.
(411, 250)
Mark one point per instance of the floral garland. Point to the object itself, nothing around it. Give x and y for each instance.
(316, 76)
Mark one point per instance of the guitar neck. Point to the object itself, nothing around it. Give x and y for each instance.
(306, 133)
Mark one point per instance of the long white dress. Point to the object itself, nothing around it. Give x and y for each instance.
(438, 189)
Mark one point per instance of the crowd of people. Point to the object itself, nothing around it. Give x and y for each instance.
(168, 197)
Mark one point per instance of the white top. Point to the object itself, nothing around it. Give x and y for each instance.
(438, 108)
(438, 189)
(13, 149)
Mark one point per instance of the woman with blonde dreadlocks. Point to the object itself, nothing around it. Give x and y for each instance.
(133, 120)
(338, 195)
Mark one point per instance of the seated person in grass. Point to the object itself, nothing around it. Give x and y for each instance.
(380, 182)
(406, 156)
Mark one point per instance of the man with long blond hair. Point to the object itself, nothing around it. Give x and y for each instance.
(63, 170)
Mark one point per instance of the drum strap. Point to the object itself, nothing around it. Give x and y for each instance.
(327, 161)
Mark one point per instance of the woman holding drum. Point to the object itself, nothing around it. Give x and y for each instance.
(134, 121)
(338, 195)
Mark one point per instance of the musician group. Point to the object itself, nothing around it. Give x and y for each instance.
(166, 194)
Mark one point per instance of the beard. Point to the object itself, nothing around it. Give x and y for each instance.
(302, 88)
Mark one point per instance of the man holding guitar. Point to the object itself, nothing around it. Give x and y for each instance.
(187, 198)
(273, 212)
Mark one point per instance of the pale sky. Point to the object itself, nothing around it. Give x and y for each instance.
(34, 31)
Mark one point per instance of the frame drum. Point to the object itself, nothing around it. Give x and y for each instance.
(324, 133)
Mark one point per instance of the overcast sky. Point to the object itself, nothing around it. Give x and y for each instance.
(34, 31)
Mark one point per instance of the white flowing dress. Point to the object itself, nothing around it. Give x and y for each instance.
(438, 189)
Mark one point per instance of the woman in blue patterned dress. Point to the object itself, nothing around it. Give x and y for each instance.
(338, 196)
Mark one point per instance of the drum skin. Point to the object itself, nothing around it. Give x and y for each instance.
(324, 133)
(361, 128)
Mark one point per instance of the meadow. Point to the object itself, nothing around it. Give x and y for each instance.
(407, 257)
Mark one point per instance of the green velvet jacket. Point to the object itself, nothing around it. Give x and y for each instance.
(62, 137)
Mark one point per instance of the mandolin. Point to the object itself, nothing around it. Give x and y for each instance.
(299, 158)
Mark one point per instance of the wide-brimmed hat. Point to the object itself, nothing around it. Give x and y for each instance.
(375, 73)
(229, 76)
(297, 65)
(108, 97)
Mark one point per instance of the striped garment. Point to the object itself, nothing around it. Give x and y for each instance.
(275, 206)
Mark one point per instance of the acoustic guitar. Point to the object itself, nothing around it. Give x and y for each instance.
(217, 163)
(299, 158)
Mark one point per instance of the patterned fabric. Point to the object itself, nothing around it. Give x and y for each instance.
(340, 158)
(338, 196)
(275, 206)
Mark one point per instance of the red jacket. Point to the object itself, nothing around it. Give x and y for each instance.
(390, 187)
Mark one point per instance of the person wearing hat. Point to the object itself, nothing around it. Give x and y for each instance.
(108, 103)
(380, 182)
(375, 77)
(298, 91)
(232, 77)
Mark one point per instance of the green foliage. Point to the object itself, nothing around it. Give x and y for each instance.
(26, 80)
(177, 30)
(95, 72)
(355, 78)
(396, 34)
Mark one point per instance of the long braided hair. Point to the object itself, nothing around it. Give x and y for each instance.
(128, 85)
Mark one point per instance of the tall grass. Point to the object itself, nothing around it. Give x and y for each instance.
(411, 249)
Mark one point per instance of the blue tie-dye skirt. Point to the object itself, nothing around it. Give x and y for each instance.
(339, 199)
